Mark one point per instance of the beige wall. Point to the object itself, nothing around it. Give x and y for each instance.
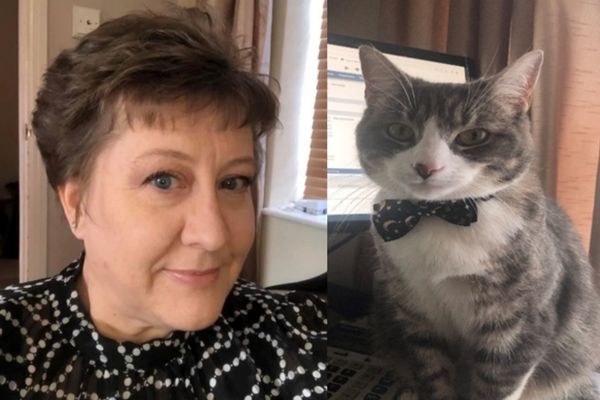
(62, 246)
(9, 92)
(291, 251)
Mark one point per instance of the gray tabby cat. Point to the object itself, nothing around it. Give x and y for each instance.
(504, 308)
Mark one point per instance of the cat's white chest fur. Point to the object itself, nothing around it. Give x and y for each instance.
(434, 255)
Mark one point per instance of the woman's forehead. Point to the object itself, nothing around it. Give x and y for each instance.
(188, 134)
(178, 115)
(201, 150)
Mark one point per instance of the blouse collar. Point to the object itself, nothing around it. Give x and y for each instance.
(78, 328)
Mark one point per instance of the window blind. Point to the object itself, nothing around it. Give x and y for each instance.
(316, 171)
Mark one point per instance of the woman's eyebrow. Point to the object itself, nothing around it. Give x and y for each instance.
(241, 160)
(186, 157)
(165, 153)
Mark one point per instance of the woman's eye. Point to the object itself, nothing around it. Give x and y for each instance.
(236, 183)
(162, 180)
(400, 132)
(472, 137)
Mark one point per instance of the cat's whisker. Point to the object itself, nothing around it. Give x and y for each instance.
(482, 89)
(394, 74)
(515, 88)
(354, 192)
(366, 196)
(466, 103)
(388, 107)
(489, 66)
(508, 208)
(469, 85)
(387, 95)
(482, 98)
(344, 223)
(474, 96)
(349, 207)
(412, 89)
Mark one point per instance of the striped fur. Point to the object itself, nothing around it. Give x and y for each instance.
(504, 309)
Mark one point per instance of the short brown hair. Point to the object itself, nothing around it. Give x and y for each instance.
(140, 62)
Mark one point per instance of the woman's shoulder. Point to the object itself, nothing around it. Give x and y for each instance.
(249, 303)
(32, 302)
(298, 320)
(23, 294)
(37, 289)
(284, 334)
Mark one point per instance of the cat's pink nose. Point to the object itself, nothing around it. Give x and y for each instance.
(425, 171)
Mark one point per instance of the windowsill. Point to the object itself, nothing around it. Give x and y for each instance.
(316, 221)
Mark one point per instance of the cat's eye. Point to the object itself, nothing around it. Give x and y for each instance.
(400, 132)
(472, 137)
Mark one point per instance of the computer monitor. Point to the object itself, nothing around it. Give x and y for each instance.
(350, 193)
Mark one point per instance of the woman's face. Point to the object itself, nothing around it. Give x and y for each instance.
(168, 221)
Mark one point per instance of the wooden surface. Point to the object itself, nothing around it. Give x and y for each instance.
(9, 272)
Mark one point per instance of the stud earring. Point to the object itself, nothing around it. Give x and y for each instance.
(73, 224)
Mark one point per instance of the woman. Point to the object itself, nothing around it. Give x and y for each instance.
(148, 130)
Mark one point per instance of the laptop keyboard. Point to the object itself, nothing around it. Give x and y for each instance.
(353, 376)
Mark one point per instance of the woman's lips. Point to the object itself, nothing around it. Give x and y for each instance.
(192, 277)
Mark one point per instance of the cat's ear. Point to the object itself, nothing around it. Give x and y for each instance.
(382, 77)
(515, 83)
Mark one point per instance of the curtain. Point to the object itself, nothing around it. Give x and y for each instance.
(567, 100)
(595, 245)
(249, 22)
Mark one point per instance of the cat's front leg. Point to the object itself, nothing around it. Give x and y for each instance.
(504, 363)
(422, 357)
(426, 356)
(432, 366)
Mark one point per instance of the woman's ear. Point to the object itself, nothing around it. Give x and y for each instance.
(69, 194)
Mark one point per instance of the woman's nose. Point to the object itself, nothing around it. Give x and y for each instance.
(205, 226)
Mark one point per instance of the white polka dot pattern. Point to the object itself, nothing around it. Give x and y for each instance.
(263, 346)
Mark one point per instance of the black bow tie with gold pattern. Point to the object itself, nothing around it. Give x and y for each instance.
(395, 218)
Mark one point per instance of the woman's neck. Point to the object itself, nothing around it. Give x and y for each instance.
(108, 316)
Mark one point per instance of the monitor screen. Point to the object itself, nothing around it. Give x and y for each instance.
(350, 193)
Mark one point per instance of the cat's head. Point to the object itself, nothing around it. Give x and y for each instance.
(435, 141)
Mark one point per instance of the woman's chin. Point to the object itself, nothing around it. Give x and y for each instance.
(193, 312)
(191, 323)
(193, 303)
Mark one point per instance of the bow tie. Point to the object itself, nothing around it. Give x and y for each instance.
(395, 218)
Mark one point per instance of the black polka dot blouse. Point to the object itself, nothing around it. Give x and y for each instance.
(263, 346)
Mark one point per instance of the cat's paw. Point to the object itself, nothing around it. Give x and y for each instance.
(406, 394)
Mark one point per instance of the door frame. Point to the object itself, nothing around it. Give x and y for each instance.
(33, 186)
